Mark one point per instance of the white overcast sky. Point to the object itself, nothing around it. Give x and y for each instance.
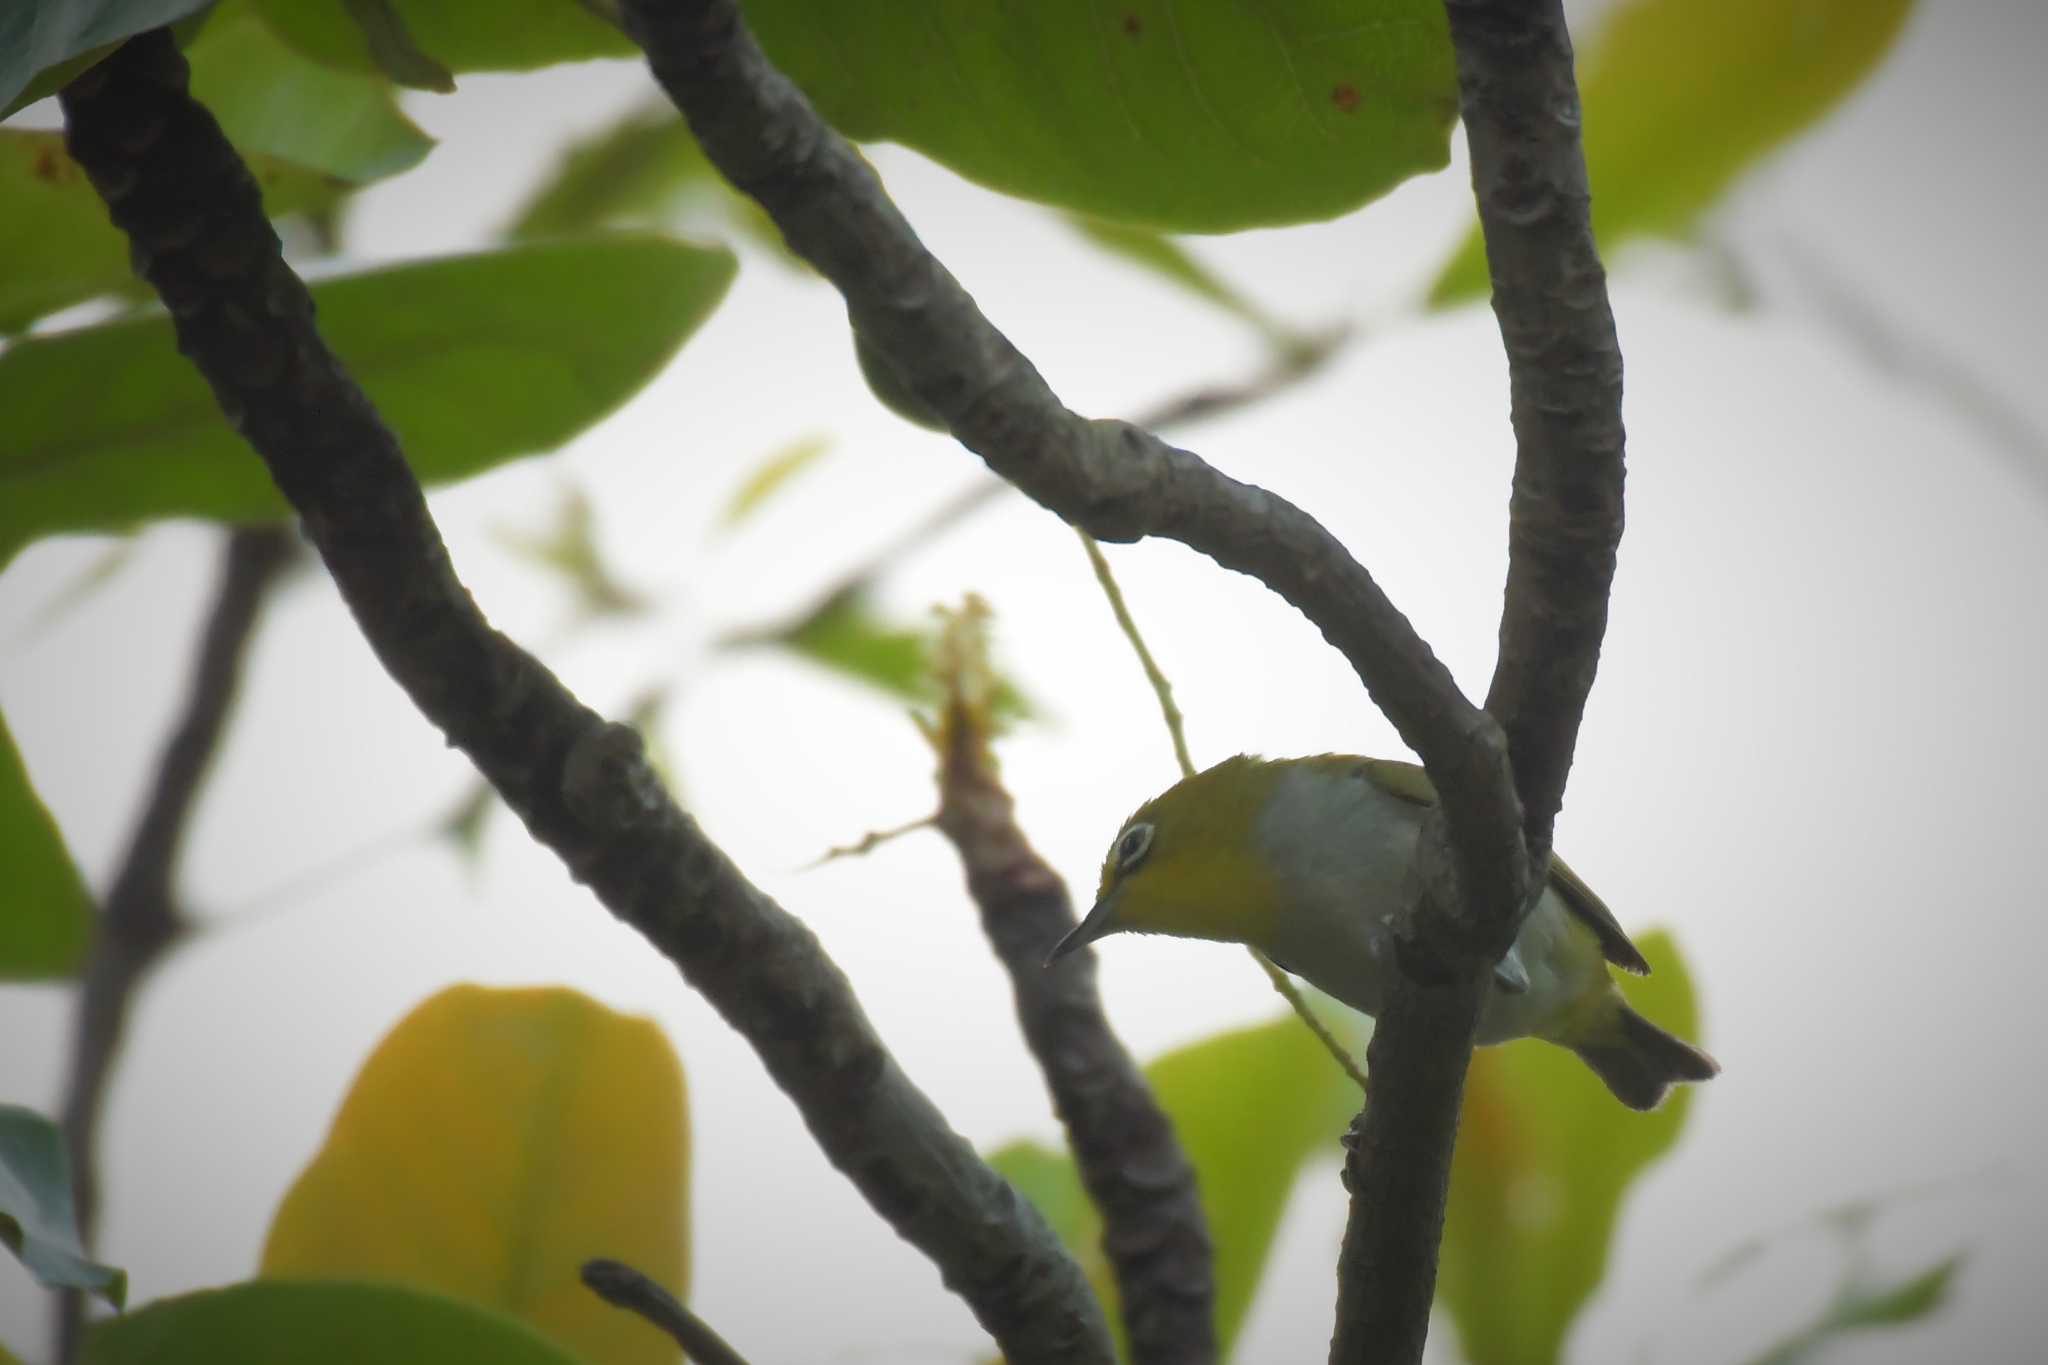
(1815, 751)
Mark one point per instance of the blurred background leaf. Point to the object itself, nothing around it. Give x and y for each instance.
(770, 477)
(1252, 1108)
(458, 35)
(472, 360)
(45, 909)
(1544, 1157)
(314, 1323)
(492, 1143)
(1681, 98)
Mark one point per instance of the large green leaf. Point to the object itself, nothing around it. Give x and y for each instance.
(309, 135)
(45, 913)
(458, 35)
(1192, 118)
(317, 1323)
(35, 34)
(37, 1222)
(1544, 1157)
(473, 360)
(1681, 98)
(1251, 1107)
(271, 100)
(495, 1141)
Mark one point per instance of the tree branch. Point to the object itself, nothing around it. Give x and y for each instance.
(139, 921)
(621, 1286)
(1521, 109)
(1154, 1231)
(584, 788)
(1111, 479)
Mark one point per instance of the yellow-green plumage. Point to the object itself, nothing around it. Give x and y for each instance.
(1306, 859)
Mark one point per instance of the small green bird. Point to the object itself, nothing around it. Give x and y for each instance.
(1306, 859)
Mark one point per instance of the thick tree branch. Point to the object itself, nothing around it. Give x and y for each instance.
(1521, 108)
(139, 921)
(1154, 1232)
(584, 788)
(1111, 479)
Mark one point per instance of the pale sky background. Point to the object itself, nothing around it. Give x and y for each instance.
(1815, 750)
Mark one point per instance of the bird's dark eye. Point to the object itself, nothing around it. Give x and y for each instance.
(1132, 846)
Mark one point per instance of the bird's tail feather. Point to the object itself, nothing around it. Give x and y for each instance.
(1639, 1061)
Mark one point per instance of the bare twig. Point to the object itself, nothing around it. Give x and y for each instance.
(1153, 1229)
(195, 222)
(1520, 103)
(140, 920)
(621, 1286)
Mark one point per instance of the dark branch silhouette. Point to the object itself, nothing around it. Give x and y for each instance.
(195, 222)
(140, 920)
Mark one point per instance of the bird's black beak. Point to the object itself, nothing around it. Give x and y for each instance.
(1099, 922)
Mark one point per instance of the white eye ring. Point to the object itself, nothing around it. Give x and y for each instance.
(1132, 845)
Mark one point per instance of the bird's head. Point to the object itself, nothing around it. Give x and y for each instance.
(1188, 863)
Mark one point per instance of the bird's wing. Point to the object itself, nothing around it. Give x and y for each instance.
(1408, 782)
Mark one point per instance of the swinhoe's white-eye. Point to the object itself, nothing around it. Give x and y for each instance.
(1306, 859)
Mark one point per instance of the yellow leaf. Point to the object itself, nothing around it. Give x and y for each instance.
(493, 1142)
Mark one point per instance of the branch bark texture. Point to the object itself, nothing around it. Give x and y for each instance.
(1114, 480)
(140, 920)
(584, 788)
(1155, 1234)
(1520, 102)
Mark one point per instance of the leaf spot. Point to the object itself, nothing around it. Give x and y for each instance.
(1133, 25)
(1345, 97)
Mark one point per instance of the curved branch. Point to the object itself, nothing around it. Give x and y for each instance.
(1521, 108)
(1112, 479)
(584, 788)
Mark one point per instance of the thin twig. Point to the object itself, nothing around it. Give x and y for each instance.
(1162, 689)
(140, 920)
(195, 221)
(621, 1286)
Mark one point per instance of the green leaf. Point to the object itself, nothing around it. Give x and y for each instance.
(635, 171)
(771, 476)
(55, 236)
(316, 1323)
(493, 1142)
(472, 360)
(45, 912)
(1251, 1107)
(309, 136)
(1171, 261)
(459, 35)
(1189, 118)
(1860, 1307)
(36, 1218)
(37, 34)
(1544, 1157)
(847, 636)
(572, 551)
(392, 49)
(272, 101)
(1681, 98)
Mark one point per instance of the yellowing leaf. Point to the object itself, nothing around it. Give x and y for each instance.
(1544, 1157)
(495, 1141)
(771, 476)
(1682, 97)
